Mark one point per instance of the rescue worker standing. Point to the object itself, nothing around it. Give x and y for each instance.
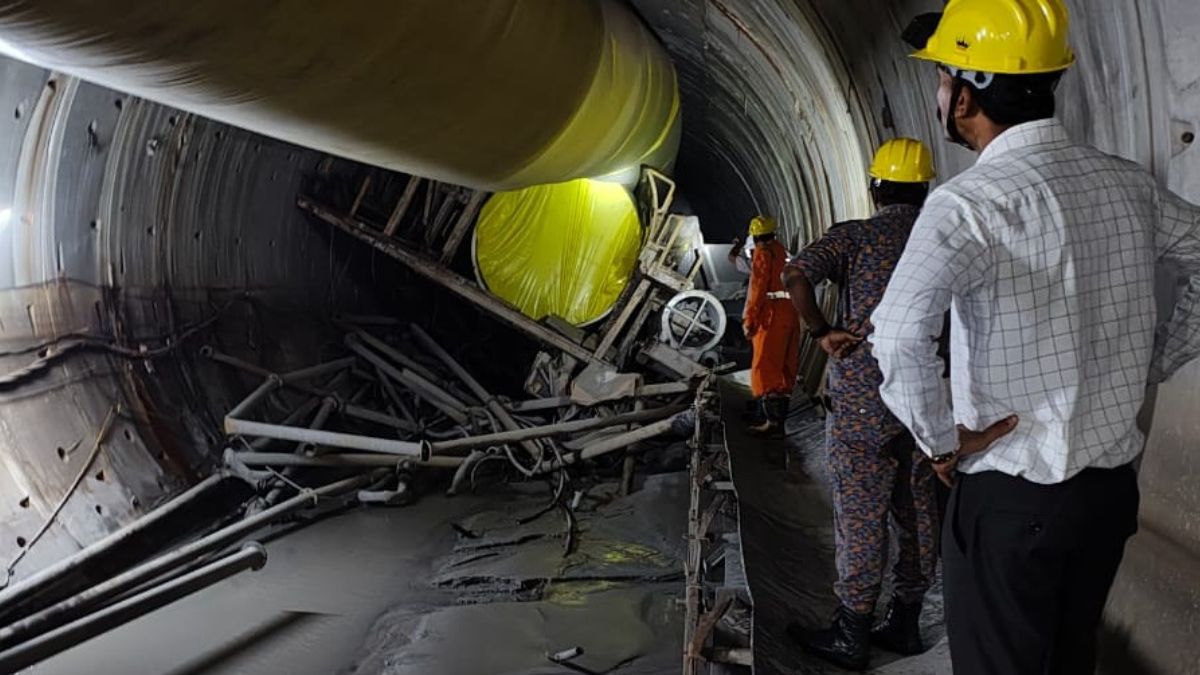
(1046, 251)
(875, 466)
(769, 322)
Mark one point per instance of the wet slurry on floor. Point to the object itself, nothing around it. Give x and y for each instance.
(787, 539)
(445, 586)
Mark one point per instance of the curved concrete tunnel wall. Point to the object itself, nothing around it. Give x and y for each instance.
(783, 102)
(130, 219)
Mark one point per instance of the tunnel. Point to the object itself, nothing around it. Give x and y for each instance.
(141, 237)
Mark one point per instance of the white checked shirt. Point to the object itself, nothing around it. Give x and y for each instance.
(1045, 253)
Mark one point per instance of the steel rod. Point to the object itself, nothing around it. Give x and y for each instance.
(293, 417)
(269, 385)
(418, 369)
(208, 352)
(38, 582)
(394, 397)
(318, 422)
(250, 556)
(476, 388)
(318, 370)
(452, 282)
(393, 354)
(342, 460)
(80, 604)
(378, 418)
(610, 444)
(483, 441)
(436, 397)
(646, 391)
(320, 437)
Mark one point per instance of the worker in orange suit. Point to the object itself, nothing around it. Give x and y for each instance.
(771, 325)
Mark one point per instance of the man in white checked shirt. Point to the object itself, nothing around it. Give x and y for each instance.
(1045, 253)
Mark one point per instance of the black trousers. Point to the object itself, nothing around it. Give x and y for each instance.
(1028, 567)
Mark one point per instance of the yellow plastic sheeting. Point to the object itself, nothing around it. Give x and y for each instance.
(566, 249)
(493, 94)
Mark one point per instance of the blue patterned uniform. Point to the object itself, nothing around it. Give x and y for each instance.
(875, 466)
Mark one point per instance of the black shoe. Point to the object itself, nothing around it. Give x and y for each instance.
(754, 413)
(774, 421)
(900, 631)
(847, 643)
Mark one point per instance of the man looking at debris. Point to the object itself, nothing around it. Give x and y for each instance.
(875, 466)
(769, 322)
(1045, 253)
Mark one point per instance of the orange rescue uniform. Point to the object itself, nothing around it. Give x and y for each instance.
(771, 324)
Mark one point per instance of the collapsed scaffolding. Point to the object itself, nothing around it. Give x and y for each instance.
(395, 404)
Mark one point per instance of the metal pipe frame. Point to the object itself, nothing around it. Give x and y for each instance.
(647, 391)
(285, 459)
(38, 582)
(379, 418)
(394, 396)
(610, 444)
(387, 350)
(318, 422)
(318, 370)
(208, 352)
(427, 378)
(451, 282)
(437, 397)
(269, 385)
(96, 596)
(302, 410)
(485, 440)
(251, 555)
(476, 388)
(334, 439)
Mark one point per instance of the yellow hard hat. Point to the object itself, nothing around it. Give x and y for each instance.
(760, 225)
(903, 160)
(1008, 37)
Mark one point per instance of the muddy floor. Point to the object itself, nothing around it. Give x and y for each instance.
(447, 586)
(484, 584)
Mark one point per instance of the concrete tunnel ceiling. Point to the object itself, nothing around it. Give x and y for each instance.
(138, 219)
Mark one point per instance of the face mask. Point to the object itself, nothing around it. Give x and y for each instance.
(949, 123)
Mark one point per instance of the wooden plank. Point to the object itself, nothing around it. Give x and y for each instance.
(451, 282)
(434, 230)
(691, 568)
(406, 200)
(711, 512)
(631, 305)
(362, 192)
(705, 626)
(463, 225)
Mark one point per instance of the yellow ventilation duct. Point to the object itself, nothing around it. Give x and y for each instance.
(565, 250)
(493, 94)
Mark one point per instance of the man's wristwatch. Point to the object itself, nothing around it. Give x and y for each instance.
(944, 458)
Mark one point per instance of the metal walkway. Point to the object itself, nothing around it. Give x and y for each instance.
(786, 525)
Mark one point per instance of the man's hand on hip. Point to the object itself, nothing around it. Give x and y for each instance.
(838, 343)
(973, 442)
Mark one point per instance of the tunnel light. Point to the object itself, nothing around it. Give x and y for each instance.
(5, 217)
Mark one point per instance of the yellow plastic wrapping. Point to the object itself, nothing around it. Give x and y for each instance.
(492, 94)
(566, 249)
